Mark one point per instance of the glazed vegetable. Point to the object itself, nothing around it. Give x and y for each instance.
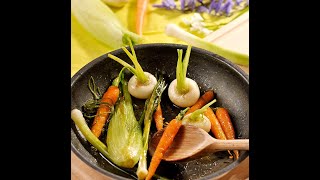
(203, 100)
(158, 119)
(140, 15)
(150, 106)
(227, 126)
(216, 128)
(124, 135)
(107, 103)
(175, 31)
(115, 3)
(142, 83)
(80, 122)
(100, 21)
(77, 117)
(183, 91)
(165, 141)
(197, 118)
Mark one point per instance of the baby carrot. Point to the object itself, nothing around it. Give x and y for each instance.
(108, 100)
(226, 124)
(141, 12)
(165, 141)
(203, 100)
(158, 119)
(216, 128)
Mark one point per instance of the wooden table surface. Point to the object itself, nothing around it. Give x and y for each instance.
(237, 39)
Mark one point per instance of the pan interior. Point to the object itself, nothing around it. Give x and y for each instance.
(230, 84)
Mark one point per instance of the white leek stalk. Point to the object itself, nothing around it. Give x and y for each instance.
(99, 20)
(235, 57)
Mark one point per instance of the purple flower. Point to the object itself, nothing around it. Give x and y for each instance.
(202, 9)
(212, 5)
(218, 6)
(171, 3)
(168, 4)
(191, 4)
(182, 2)
(200, 1)
(238, 2)
(229, 7)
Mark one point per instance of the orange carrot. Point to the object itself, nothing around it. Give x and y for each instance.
(108, 100)
(166, 140)
(158, 119)
(216, 128)
(141, 12)
(226, 124)
(203, 100)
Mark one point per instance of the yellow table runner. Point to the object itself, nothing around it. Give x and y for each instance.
(85, 48)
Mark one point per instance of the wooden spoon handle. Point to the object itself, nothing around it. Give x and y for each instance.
(236, 144)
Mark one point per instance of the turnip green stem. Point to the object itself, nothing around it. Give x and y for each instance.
(181, 71)
(118, 79)
(137, 69)
(182, 113)
(196, 114)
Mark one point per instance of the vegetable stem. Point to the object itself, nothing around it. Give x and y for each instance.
(203, 100)
(181, 71)
(80, 122)
(102, 23)
(123, 63)
(150, 107)
(137, 69)
(196, 114)
(94, 89)
(238, 58)
(118, 79)
(77, 117)
(182, 113)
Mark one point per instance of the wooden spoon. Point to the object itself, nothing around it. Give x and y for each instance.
(191, 140)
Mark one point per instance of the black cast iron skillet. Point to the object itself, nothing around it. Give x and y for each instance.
(210, 71)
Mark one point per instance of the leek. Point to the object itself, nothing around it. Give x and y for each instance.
(80, 122)
(235, 57)
(150, 106)
(100, 21)
(77, 117)
(124, 135)
(115, 3)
